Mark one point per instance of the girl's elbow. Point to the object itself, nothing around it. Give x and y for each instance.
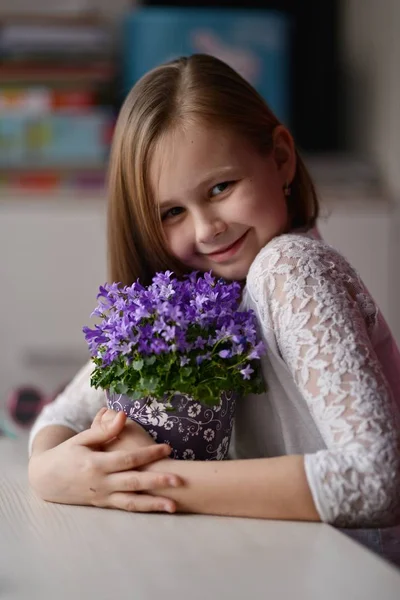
(387, 485)
(373, 498)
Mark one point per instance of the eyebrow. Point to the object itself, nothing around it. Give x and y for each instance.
(211, 176)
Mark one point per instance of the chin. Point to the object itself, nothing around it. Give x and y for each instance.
(232, 273)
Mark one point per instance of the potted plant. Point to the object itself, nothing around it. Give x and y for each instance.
(175, 356)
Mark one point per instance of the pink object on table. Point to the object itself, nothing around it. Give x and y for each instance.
(24, 405)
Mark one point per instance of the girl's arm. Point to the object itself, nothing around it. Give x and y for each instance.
(266, 488)
(67, 464)
(71, 412)
(323, 319)
(50, 436)
(77, 471)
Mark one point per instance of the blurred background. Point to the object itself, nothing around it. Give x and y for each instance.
(328, 69)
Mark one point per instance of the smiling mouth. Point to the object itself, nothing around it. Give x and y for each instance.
(228, 251)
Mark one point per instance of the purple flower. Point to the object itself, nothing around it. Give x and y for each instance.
(95, 336)
(257, 351)
(209, 279)
(202, 357)
(156, 330)
(246, 372)
(199, 343)
(169, 333)
(159, 325)
(158, 346)
(141, 312)
(239, 349)
(199, 300)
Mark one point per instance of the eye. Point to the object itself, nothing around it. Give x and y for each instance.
(220, 188)
(172, 212)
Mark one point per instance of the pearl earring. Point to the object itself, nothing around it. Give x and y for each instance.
(287, 189)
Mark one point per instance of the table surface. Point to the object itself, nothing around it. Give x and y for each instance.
(50, 551)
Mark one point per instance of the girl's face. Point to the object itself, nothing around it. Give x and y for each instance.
(220, 200)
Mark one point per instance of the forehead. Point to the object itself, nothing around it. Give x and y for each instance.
(187, 155)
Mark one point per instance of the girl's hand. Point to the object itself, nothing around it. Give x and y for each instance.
(132, 437)
(78, 471)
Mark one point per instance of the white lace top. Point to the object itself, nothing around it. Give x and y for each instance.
(333, 372)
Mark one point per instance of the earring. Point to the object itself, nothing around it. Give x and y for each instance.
(287, 189)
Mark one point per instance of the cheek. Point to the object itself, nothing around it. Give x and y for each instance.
(267, 215)
(270, 209)
(179, 242)
(259, 200)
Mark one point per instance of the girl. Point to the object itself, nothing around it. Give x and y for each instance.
(203, 176)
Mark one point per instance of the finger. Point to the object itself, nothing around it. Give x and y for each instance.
(138, 481)
(141, 503)
(105, 418)
(98, 417)
(106, 426)
(120, 460)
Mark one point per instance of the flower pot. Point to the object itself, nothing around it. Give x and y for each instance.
(194, 431)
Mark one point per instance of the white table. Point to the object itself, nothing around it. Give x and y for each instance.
(55, 552)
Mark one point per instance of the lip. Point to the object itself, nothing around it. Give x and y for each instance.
(228, 251)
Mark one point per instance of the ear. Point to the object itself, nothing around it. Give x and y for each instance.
(284, 154)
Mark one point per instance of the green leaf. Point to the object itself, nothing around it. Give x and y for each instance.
(103, 378)
(121, 388)
(150, 360)
(206, 395)
(137, 365)
(160, 375)
(149, 383)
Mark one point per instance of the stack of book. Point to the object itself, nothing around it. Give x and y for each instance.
(56, 104)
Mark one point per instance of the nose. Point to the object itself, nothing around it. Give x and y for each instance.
(208, 227)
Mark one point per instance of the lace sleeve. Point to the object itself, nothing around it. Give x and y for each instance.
(75, 407)
(322, 317)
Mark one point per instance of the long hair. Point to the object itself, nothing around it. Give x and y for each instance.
(203, 89)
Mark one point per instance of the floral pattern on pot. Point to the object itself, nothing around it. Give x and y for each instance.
(193, 430)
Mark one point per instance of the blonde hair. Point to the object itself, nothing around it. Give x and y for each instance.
(201, 88)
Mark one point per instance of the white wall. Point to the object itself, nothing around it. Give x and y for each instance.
(53, 259)
(371, 55)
